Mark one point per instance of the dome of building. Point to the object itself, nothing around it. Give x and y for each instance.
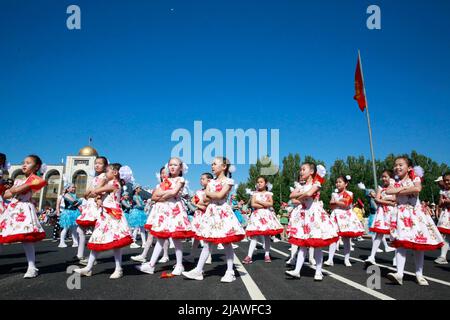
(88, 151)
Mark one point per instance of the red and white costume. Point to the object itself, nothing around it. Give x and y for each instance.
(198, 214)
(346, 219)
(90, 210)
(111, 227)
(382, 221)
(444, 220)
(263, 222)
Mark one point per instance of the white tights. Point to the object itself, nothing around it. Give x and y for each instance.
(333, 246)
(444, 248)
(252, 246)
(160, 243)
(30, 254)
(400, 255)
(117, 259)
(81, 241)
(141, 231)
(64, 233)
(229, 254)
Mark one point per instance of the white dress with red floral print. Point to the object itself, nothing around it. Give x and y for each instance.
(382, 222)
(263, 222)
(90, 210)
(170, 218)
(309, 224)
(411, 227)
(111, 228)
(219, 224)
(198, 214)
(444, 220)
(346, 219)
(19, 222)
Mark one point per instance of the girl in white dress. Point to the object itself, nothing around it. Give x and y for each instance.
(19, 222)
(444, 219)
(219, 223)
(411, 227)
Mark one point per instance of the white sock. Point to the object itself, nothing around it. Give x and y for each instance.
(318, 256)
(203, 257)
(294, 250)
(251, 247)
(62, 237)
(92, 257)
(81, 242)
(444, 248)
(347, 247)
(118, 258)
(134, 235)
(147, 247)
(385, 242)
(400, 256)
(157, 251)
(178, 251)
(300, 259)
(166, 249)
(418, 259)
(267, 245)
(229, 254)
(311, 253)
(75, 235)
(376, 244)
(142, 232)
(332, 251)
(30, 254)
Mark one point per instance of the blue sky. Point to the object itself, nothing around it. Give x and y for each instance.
(138, 70)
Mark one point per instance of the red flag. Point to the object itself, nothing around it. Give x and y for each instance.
(359, 87)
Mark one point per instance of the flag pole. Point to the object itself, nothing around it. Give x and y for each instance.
(374, 168)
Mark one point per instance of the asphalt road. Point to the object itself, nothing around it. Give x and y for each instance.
(256, 281)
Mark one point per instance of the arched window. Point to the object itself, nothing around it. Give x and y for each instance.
(53, 179)
(80, 181)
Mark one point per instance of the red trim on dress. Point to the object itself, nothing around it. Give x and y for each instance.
(444, 230)
(224, 240)
(86, 223)
(23, 237)
(415, 246)
(350, 234)
(111, 245)
(263, 233)
(148, 227)
(173, 235)
(381, 231)
(313, 242)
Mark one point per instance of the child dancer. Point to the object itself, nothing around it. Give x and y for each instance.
(382, 222)
(411, 228)
(111, 228)
(137, 217)
(199, 201)
(171, 219)
(68, 215)
(219, 223)
(263, 221)
(346, 220)
(444, 219)
(19, 222)
(310, 225)
(90, 210)
(161, 176)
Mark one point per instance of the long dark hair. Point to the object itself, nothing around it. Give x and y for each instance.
(37, 161)
(265, 180)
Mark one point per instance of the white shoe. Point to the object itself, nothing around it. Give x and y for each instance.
(117, 274)
(228, 277)
(370, 260)
(220, 246)
(134, 245)
(83, 272)
(379, 250)
(389, 249)
(290, 262)
(31, 273)
(441, 260)
(347, 263)
(75, 245)
(293, 274)
(421, 281)
(193, 274)
(329, 263)
(171, 245)
(395, 278)
(143, 246)
(163, 260)
(62, 245)
(312, 262)
(146, 268)
(234, 246)
(178, 270)
(352, 249)
(209, 260)
(276, 240)
(244, 240)
(138, 258)
(318, 277)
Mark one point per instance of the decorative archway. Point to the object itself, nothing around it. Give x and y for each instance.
(52, 190)
(79, 179)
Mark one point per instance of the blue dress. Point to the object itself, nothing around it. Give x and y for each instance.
(237, 212)
(137, 217)
(70, 213)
